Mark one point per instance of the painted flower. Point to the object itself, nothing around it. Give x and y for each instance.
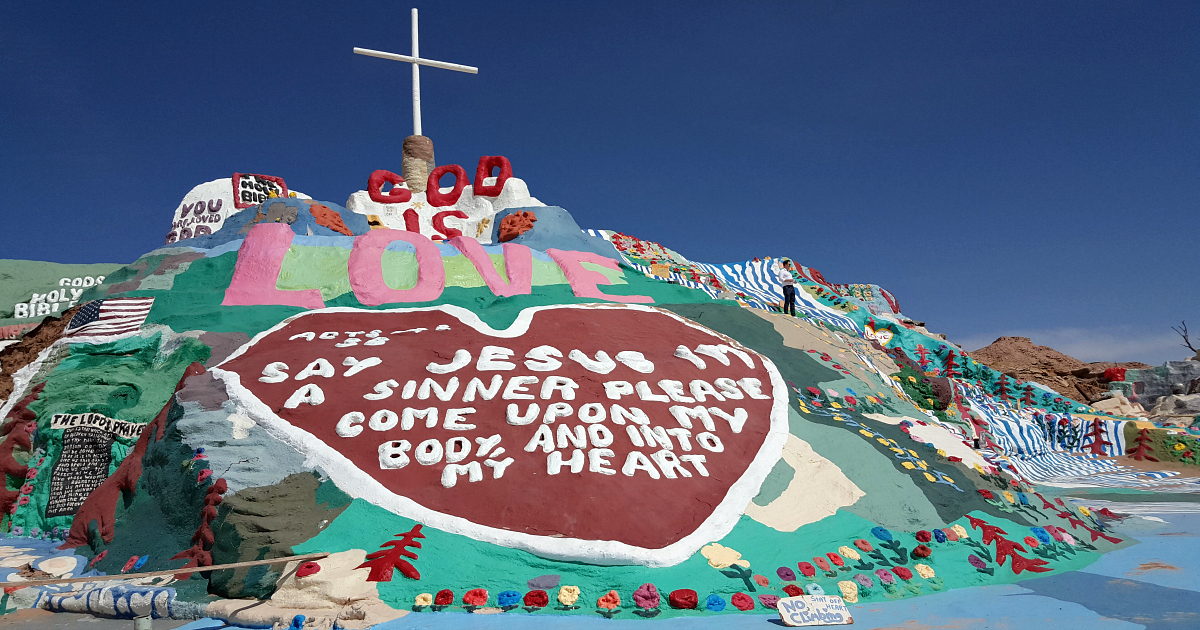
(835, 559)
(960, 530)
(476, 597)
(761, 580)
(976, 561)
(714, 603)
(924, 571)
(27, 489)
(851, 400)
(1008, 496)
(1180, 446)
(742, 601)
(204, 474)
(864, 545)
(821, 563)
(849, 591)
(987, 494)
(812, 588)
(807, 569)
(23, 500)
(568, 595)
(786, 574)
(307, 569)
(863, 580)
(646, 596)
(924, 536)
(536, 599)
(684, 598)
(770, 601)
(1031, 541)
(424, 599)
(32, 473)
(1085, 511)
(1056, 532)
(508, 598)
(884, 576)
(129, 564)
(939, 536)
(850, 553)
(721, 557)
(17, 530)
(609, 601)
(881, 534)
(902, 573)
(792, 590)
(1041, 534)
(1069, 539)
(813, 390)
(922, 551)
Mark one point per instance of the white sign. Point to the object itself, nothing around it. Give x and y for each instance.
(814, 610)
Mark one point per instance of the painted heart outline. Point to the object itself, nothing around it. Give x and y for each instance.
(359, 479)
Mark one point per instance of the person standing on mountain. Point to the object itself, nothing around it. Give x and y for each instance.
(789, 287)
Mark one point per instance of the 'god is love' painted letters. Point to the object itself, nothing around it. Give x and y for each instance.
(647, 433)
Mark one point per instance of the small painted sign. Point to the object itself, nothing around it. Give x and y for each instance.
(814, 610)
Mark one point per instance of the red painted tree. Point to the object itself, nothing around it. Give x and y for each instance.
(950, 367)
(1003, 391)
(383, 561)
(1097, 433)
(924, 360)
(1027, 397)
(1141, 451)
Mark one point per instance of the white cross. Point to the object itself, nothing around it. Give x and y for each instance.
(416, 62)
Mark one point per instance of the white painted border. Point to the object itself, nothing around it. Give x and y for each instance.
(358, 484)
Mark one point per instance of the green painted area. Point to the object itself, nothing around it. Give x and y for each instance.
(130, 379)
(776, 482)
(325, 268)
(20, 279)
(460, 563)
(891, 500)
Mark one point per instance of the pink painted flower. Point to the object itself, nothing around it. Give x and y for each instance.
(27, 489)
(864, 545)
(646, 596)
(884, 576)
(1031, 541)
(807, 569)
(761, 580)
(821, 563)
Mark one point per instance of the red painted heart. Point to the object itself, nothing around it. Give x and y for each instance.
(603, 433)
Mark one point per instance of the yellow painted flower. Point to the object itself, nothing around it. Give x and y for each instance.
(913, 453)
(849, 552)
(978, 468)
(835, 405)
(895, 378)
(873, 399)
(567, 595)
(960, 530)
(930, 478)
(1180, 446)
(849, 591)
(924, 571)
(1084, 511)
(721, 557)
(908, 465)
(941, 453)
(424, 599)
(912, 379)
(948, 480)
(1008, 496)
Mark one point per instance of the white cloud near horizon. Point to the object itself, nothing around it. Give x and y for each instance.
(1116, 343)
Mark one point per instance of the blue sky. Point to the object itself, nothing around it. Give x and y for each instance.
(1004, 168)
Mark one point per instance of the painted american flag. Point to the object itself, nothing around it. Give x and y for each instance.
(109, 317)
